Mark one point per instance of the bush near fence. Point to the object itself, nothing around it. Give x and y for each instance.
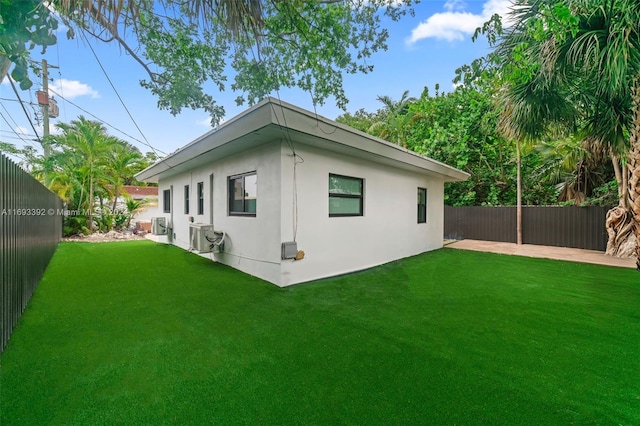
(30, 230)
(560, 226)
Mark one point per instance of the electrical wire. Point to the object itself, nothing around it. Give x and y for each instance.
(64, 108)
(12, 119)
(118, 95)
(14, 100)
(13, 86)
(287, 136)
(9, 124)
(106, 123)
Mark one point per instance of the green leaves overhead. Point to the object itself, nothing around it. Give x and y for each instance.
(24, 24)
(306, 44)
(190, 48)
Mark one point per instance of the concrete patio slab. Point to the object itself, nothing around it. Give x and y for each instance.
(547, 252)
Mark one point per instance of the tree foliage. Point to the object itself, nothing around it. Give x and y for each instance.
(189, 49)
(459, 128)
(86, 167)
(24, 25)
(581, 58)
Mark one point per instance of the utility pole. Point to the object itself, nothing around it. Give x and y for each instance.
(45, 104)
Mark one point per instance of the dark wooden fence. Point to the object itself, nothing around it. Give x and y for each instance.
(570, 226)
(30, 230)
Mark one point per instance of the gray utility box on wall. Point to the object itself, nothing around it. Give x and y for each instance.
(289, 250)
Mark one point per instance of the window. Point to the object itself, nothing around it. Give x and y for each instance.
(422, 205)
(186, 199)
(166, 200)
(243, 194)
(200, 197)
(346, 197)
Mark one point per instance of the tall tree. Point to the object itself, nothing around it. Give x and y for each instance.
(88, 142)
(121, 162)
(394, 119)
(586, 53)
(185, 46)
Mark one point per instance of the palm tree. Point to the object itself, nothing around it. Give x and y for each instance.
(86, 143)
(121, 162)
(590, 48)
(393, 119)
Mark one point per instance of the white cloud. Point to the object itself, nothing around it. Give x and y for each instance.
(452, 5)
(455, 23)
(72, 89)
(22, 130)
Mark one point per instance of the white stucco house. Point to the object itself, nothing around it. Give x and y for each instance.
(284, 183)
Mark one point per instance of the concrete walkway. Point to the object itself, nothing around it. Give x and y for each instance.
(548, 252)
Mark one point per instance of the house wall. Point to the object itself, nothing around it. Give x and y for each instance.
(387, 231)
(145, 213)
(252, 244)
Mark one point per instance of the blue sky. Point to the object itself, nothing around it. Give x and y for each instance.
(423, 50)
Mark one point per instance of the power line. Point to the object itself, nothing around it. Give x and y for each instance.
(9, 124)
(13, 86)
(104, 122)
(9, 114)
(60, 78)
(118, 94)
(15, 100)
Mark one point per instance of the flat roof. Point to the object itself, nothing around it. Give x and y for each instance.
(269, 119)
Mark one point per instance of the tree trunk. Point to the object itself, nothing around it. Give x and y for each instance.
(518, 194)
(634, 172)
(617, 172)
(619, 223)
(622, 241)
(625, 186)
(90, 203)
(115, 197)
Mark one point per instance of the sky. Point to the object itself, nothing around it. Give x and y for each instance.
(423, 51)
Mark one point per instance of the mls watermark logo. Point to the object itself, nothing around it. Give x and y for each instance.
(44, 212)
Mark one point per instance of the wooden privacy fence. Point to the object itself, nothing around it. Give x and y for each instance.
(30, 230)
(569, 226)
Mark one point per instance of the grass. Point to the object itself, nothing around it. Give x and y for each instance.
(139, 333)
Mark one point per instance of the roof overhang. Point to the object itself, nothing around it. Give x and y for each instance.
(272, 119)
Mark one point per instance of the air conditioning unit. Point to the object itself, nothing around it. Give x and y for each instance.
(159, 225)
(201, 237)
(217, 238)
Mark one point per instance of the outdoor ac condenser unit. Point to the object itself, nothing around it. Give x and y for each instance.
(159, 225)
(199, 235)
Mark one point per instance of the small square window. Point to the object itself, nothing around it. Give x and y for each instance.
(422, 205)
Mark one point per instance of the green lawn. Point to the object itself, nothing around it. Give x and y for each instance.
(142, 333)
